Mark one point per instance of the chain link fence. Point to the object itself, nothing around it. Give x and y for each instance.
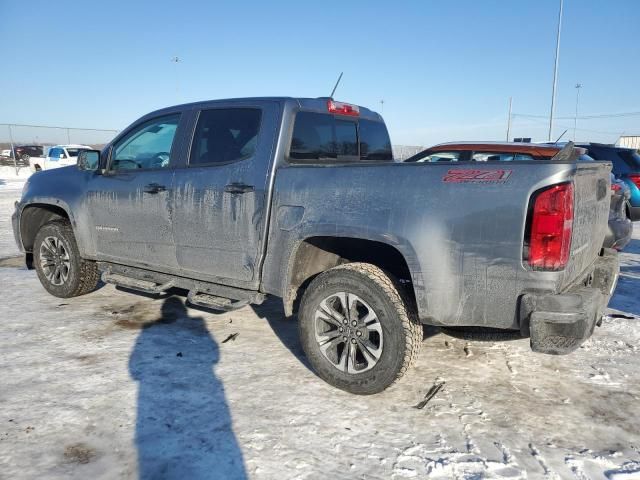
(18, 142)
(402, 152)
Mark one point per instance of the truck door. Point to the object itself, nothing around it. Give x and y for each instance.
(220, 196)
(130, 204)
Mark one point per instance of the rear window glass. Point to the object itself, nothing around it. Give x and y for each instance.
(318, 136)
(631, 158)
(374, 141)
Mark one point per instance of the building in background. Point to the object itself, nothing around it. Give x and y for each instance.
(629, 141)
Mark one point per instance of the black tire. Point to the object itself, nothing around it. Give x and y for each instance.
(82, 275)
(399, 341)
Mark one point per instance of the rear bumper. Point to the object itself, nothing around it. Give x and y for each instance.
(559, 323)
(15, 223)
(619, 233)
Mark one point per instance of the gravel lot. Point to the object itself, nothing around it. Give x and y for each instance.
(116, 385)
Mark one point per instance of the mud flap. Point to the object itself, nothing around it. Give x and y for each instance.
(558, 324)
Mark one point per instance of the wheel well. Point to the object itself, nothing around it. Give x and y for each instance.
(35, 216)
(318, 254)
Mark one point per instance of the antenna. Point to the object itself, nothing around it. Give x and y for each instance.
(336, 85)
(560, 136)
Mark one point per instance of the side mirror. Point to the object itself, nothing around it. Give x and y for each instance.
(62, 155)
(89, 160)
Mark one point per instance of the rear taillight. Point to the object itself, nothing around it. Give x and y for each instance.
(551, 225)
(343, 108)
(615, 187)
(635, 178)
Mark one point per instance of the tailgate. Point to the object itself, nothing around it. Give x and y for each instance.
(592, 197)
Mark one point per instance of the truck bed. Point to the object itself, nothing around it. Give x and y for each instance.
(460, 227)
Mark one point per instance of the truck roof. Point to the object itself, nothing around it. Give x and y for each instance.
(310, 104)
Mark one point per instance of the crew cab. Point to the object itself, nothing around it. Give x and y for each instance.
(300, 198)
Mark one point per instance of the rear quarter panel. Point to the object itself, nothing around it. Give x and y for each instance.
(462, 240)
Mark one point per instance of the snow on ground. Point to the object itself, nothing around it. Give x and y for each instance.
(116, 385)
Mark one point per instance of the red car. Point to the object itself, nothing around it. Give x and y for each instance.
(490, 151)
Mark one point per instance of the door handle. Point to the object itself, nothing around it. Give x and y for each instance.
(238, 188)
(154, 188)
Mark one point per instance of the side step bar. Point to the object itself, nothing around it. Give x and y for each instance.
(216, 303)
(209, 295)
(136, 284)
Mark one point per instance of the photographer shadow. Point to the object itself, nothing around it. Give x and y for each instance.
(183, 427)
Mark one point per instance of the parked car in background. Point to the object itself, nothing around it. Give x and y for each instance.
(620, 226)
(58, 156)
(25, 152)
(5, 153)
(300, 198)
(626, 167)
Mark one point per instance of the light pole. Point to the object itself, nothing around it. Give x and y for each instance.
(177, 60)
(575, 119)
(382, 106)
(555, 73)
(509, 120)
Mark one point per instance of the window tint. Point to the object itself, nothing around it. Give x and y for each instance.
(54, 153)
(500, 157)
(631, 158)
(440, 157)
(346, 138)
(73, 152)
(147, 146)
(374, 141)
(313, 137)
(225, 135)
(319, 136)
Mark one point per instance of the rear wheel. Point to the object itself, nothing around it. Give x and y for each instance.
(357, 330)
(61, 270)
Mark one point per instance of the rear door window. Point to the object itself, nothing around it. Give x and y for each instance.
(440, 157)
(225, 135)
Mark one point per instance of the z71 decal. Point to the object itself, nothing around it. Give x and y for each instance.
(477, 176)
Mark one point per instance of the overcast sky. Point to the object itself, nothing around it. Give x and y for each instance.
(445, 69)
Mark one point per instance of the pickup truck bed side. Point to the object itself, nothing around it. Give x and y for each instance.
(465, 259)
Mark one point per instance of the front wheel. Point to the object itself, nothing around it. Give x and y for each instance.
(357, 330)
(61, 270)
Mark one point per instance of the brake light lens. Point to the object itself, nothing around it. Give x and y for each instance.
(343, 108)
(615, 187)
(551, 227)
(635, 178)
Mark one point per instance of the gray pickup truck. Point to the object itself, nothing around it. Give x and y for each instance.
(300, 198)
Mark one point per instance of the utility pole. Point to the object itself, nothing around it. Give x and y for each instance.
(509, 120)
(555, 73)
(13, 150)
(575, 119)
